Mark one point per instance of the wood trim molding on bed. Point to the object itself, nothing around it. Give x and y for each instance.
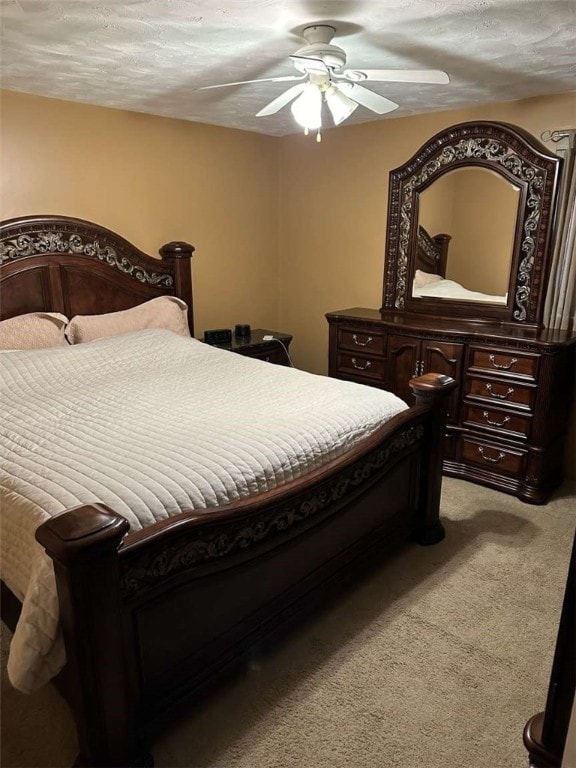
(72, 266)
(432, 252)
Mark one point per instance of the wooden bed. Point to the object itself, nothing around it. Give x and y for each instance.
(137, 609)
(432, 252)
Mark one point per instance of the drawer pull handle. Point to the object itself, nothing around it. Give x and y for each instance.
(369, 340)
(504, 421)
(503, 396)
(419, 368)
(364, 367)
(513, 361)
(492, 459)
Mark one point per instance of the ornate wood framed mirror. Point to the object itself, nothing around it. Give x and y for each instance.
(469, 240)
(470, 225)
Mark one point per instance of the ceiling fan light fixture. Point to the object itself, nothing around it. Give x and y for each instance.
(307, 108)
(340, 105)
(322, 77)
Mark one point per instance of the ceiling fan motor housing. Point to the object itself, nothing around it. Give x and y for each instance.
(318, 38)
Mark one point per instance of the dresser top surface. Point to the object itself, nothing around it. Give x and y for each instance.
(468, 328)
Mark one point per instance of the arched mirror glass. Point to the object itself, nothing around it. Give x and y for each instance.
(478, 209)
(472, 208)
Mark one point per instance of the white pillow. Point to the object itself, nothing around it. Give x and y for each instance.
(422, 279)
(34, 330)
(166, 312)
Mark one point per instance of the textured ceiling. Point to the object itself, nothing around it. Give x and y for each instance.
(151, 55)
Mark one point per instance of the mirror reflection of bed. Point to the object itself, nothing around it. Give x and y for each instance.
(430, 275)
(476, 209)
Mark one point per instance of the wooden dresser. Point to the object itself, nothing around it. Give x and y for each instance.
(508, 417)
(469, 244)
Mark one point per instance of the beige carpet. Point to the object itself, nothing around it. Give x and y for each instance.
(436, 660)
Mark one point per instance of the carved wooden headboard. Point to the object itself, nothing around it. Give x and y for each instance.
(432, 252)
(61, 264)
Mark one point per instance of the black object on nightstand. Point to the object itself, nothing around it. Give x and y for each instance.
(273, 350)
(218, 336)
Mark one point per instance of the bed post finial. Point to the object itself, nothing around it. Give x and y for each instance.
(432, 389)
(83, 542)
(177, 249)
(180, 254)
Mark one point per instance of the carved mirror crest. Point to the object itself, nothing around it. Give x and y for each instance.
(469, 225)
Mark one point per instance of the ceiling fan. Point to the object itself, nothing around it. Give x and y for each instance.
(323, 79)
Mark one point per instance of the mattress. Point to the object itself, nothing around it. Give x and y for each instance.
(150, 424)
(449, 289)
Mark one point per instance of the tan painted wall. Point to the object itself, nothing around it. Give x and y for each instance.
(285, 229)
(489, 229)
(152, 180)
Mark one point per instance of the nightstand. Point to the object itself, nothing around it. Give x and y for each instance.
(255, 346)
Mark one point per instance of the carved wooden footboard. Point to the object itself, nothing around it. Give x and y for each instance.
(153, 617)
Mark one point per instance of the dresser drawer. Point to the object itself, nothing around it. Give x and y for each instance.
(508, 424)
(361, 341)
(361, 367)
(500, 392)
(504, 362)
(491, 456)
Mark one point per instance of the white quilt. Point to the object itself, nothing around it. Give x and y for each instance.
(449, 289)
(150, 424)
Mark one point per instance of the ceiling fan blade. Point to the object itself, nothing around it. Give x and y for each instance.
(283, 79)
(397, 75)
(280, 101)
(367, 98)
